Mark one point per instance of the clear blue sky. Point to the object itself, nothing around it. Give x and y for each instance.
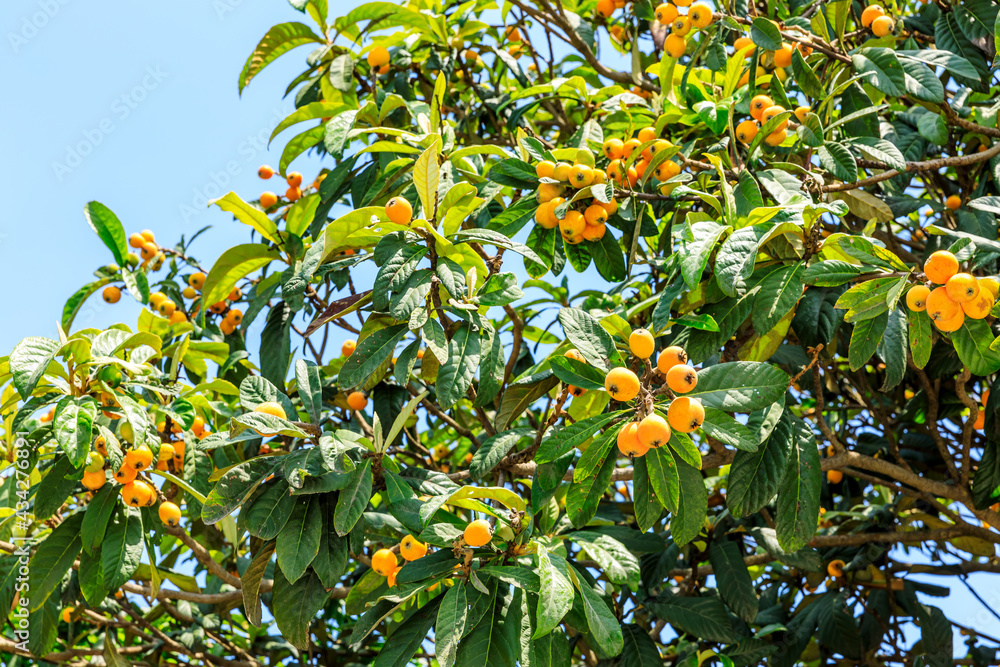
(136, 105)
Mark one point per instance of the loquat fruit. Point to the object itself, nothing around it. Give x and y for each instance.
(940, 266)
(605, 8)
(595, 215)
(953, 202)
(682, 378)
(137, 241)
(953, 323)
(572, 225)
(410, 548)
(347, 349)
(770, 113)
(265, 172)
(666, 13)
(653, 431)
(871, 13)
(835, 568)
(834, 476)
(93, 480)
(268, 199)
(111, 294)
(685, 414)
(357, 401)
(545, 169)
(758, 104)
(478, 533)
(628, 441)
(378, 56)
(399, 211)
(170, 513)
(776, 138)
(916, 298)
(940, 306)
(742, 43)
(783, 56)
(641, 343)
(962, 287)
(575, 355)
(990, 284)
(139, 458)
(980, 306)
(675, 45)
(671, 357)
(882, 26)
(148, 250)
(746, 131)
(576, 391)
(622, 384)
(293, 194)
(271, 408)
(593, 233)
(384, 562)
(125, 474)
(700, 15)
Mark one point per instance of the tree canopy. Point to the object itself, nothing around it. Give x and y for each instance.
(608, 333)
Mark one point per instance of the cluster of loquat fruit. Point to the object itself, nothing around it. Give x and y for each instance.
(698, 17)
(150, 254)
(648, 429)
(763, 109)
(580, 220)
(477, 533)
(958, 296)
(875, 19)
(292, 194)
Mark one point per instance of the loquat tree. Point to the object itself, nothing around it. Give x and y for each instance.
(609, 333)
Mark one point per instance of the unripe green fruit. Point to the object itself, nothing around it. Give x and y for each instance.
(585, 156)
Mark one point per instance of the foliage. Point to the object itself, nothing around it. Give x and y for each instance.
(483, 163)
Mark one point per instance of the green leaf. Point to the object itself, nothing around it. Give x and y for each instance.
(407, 637)
(618, 563)
(778, 294)
(986, 479)
(806, 78)
(584, 496)
(921, 337)
(95, 519)
(836, 159)
(455, 376)
(799, 491)
(558, 443)
(663, 477)
(122, 547)
(354, 497)
(608, 258)
(576, 373)
(865, 338)
(880, 69)
(735, 259)
(109, 228)
(499, 240)
(53, 559)
(232, 266)
(693, 506)
(590, 338)
(728, 431)
(701, 617)
(450, 625)
(250, 582)
(494, 449)
(294, 605)
(972, 343)
(640, 649)
(234, 487)
(733, 579)
(696, 245)
(921, 82)
(248, 215)
(309, 380)
(892, 349)
(331, 561)
(933, 128)
(279, 40)
(754, 475)
(880, 149)
(73, 423)
(298, 541)
(28, 362)
(298, 145)
(740, 386)
(342, 72)
(765, 34)
(831, 273)
(811, 130)
(426, 176)
(372, 352)
(605, 628)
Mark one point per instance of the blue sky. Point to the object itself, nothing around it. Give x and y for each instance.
(136, 105)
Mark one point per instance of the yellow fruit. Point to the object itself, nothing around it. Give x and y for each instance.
(834, 476)
(641, 343)
(94, 480)
(572, 225)
(594, 232)
(667, 170)
(622, 384)
(675, 45)
(940, 306)
(670, 357)
(357, 401)
(953, 323)
(612, 149)
(990, 284)
(783, 56)
(871, 13)
(685, 414)
(835, 568)
(681, 26)
(746, 131)
(916, 298)
(605, 8)
(347, 349)
(575, 355)
(378, 56)
(653, 431)
(758, 104)
(953, 202)
(940, 266)
(166, 452)
(268, 199)
(580, 176)
(666, 13)
(801, 113)
(962, 287)
(136, 240)
(399, 211)
(980, 422)
(882, 26)
(478, 533)
(545, 169)
(562, 171)
(148, 251)
(595, 215)
(111, 294)
(271, 408)
(628, 441)
(170, 513)
(700, 15)
(548, 192)
(412, 549)
(682, 378)
(139, 458)
(66, 615)
(384, 562)
(742, 43)
(770, 113)
(979, 307)
(776, 138)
